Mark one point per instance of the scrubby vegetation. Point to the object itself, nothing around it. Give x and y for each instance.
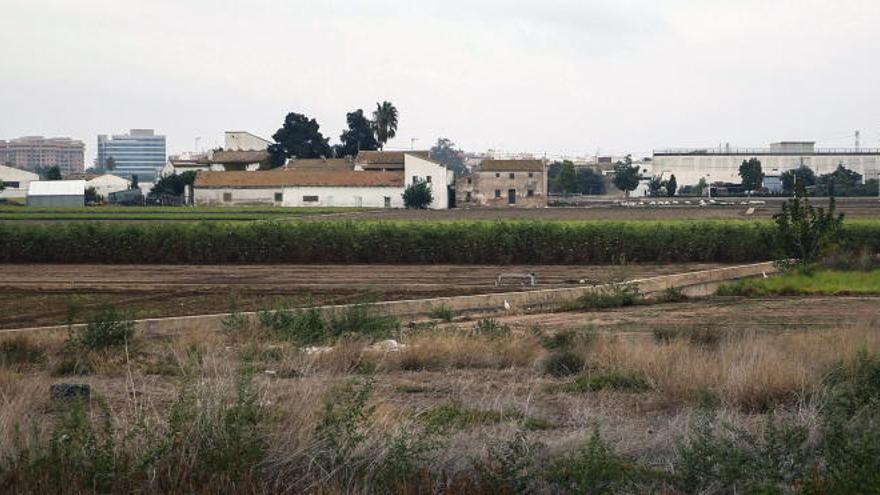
(408, 242)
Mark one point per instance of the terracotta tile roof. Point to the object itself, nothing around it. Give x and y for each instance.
(321, 164)
(512, 166)
(250, 156)
(288, 177)
(387, 157)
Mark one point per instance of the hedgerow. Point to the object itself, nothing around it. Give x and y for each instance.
(500, 242)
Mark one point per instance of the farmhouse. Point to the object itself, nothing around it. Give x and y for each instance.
(15, 182)
(323, 183)
(512, 183)
(57, 193)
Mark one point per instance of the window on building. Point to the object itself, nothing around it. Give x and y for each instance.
(470, 180)
(227, 197)
(531, 174)
(310, 199)
(467, 197)
(12, 185)
(530, 193)
(497, 175)
(428, 179)
(387, 201)
(279, 197)
(497, 193)
(415, 179)
(512, 175)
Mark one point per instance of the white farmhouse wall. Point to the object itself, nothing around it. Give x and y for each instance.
(237, 196)
(416, 168)
(11, 176)
(347, 197)
(689, 169)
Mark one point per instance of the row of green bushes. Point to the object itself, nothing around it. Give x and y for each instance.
(497, 242)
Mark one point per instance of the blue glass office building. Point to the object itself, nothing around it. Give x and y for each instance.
(141, 152)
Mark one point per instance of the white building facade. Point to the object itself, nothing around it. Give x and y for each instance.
(334, 187)
(15, 182)
(722, 164)
(420, 169)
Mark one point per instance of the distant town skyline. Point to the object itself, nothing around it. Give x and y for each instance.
(566, 77)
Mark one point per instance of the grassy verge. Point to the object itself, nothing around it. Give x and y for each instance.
(795, 283)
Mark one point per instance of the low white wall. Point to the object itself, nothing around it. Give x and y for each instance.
(240, 196)
(352, 197)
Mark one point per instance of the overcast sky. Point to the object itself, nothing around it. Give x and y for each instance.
(565, 76)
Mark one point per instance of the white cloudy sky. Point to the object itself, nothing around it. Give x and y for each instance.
(555, 76)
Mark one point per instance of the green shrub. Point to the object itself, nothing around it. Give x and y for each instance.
(455, 416)
(491, 328)
(566, 339)
(595, 468)
(607, 381)
(614, 296)
(564, 363)
(671, 294)
(720, 458)
(362, 320)
(444, 313)
(19, 351)
(109, 328)
(302, 327)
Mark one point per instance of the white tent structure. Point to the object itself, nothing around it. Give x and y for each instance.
(15, 182)
(57, 193)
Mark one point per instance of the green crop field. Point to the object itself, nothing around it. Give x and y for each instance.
(463, 242)
(825, 282)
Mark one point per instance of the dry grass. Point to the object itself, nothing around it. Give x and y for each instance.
(742, 374)
(449, 349)
(753, 373)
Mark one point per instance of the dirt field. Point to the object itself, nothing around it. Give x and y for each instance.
(852, 207)
(32, 295)
(772, 315)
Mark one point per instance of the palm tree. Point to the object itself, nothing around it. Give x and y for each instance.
(385, 122)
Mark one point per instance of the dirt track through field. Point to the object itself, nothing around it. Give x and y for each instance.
(41, 294)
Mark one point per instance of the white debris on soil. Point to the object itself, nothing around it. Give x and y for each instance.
(389, 345)
(317, 350)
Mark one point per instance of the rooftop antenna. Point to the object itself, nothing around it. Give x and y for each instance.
(858, 135)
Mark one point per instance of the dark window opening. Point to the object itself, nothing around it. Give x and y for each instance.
(310, 199)
(227, 197)
(530, 193)
(497, 193)
(279, 197)
(512, 175)
(511, 196)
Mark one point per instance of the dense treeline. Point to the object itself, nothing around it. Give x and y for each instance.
(407, 242)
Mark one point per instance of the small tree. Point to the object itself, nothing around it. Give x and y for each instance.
(801, 175)
(751, 174)
(671, 186)
(626, 175)
(53, 173)
(567, 180)
(418, 195)
(92, 196)
(655, 186)
(806, 232)
(135, 183)
(109, 164)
